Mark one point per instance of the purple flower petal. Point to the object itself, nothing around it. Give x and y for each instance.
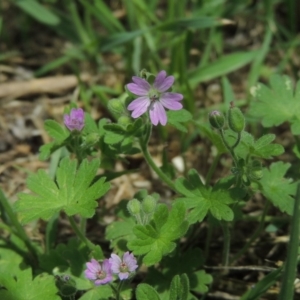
(115, 262)
(123, 276)
(137, 89)
(97, 273)
(141, 82)
(158, 114)
(139, 106)
(75, 120)
(163, 83)
(168, 102)
(172, 96)
(130, 261)
(159, 79)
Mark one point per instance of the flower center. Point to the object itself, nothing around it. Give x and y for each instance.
(123, 267)
(153, 95)
(101, 275)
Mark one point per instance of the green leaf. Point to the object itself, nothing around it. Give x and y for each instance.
(262, 286)
(7, 256)
(21, 286)
(56, 131)
(176, 117)
(189, 23)
(203, 280)
(146, 292)
(47, 149)
(280, 101)
(179, 288)
(224, 65)
(72, 191)
(278, 189)
(201, 200)
(215, 138)
(157, 238)
(38, 12)
(72, 255)
(102, 292)
(261, 148)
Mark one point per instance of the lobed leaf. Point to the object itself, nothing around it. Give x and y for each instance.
(157, 238)
(278, 189)
(74, 191)
(21, 286)
(280, 101)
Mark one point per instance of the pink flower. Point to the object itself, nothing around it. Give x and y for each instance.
(123, 267)
(75, 121)
(100, 274)
(154, 98)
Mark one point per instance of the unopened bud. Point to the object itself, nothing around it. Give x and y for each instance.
(134, 207)
(91, 139)
(115, 106)
(148, 205)
(216, 119)
(124, 120)
(236, 119)
(256, 170)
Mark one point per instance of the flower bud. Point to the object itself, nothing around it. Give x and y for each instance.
(91, 139)
(216, 119)
(134, 207)
(148, 205)
(256, 170)
(115, 106)
(236, 120)
(124, 120)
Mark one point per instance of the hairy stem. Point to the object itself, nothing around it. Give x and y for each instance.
(212, 169)
(78, 232)
(151, 163)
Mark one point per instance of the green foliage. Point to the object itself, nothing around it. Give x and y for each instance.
(64, 258)
(261, 148)
(203, 280)
(19, 285)
(278, 189)
(176, 117)
(157, 238)
(60, 135)
(74, 191)
(102, 292)
(201, 199)
(121, 138)
(38, 11)
(179, 288)
(280, 101)
(120, 232)
(262, 286)
(222, 66)
(180, 263)
(146, 292)
(206, 131)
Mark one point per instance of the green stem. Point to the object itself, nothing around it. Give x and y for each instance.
(255, 234)
(20, 232)
(155, 168)
(119, 290)
(237, 140)
(229, 148)
(226, 244)
(83, 238)
(289, 275)
(212, 169)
